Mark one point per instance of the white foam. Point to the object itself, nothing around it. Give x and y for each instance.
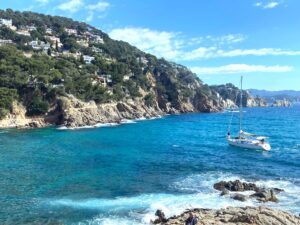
(196, 192)
(88, 126)
(124, 121)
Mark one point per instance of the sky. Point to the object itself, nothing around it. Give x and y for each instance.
(219, 40)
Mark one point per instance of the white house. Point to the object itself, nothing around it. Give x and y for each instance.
(54, 40)
(71, 31)
(96, 39)
(67, 53)
(5, 22)
(104, 79)
(23, 32)
(5, 42)
(142, 60)
(83, 43)
(97, 50)
(30, 28)
(88, 59)
(49, 31)
(127, 76)
(39, 45)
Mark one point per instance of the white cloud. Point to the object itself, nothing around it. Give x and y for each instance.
(227, 39)
(213, 52)
(241, 68)
(90, 16)
(71, 6)
(42, 1)
(160, 43)
(258, 4)
(269, 5)
(100, 6)
(172, 46)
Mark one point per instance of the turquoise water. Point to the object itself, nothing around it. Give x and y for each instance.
(122, 174)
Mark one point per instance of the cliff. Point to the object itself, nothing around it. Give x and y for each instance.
(59, 80)
(281, 103)
(242, 216)
(230, 96)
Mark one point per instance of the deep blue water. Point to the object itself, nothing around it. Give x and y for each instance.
(122, 174)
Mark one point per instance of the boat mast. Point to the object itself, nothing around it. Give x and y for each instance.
(241, 106)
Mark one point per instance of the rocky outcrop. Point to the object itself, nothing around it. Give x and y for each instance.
(241, 216)
(261, 194)
(76, 113)
(281, 103)
(256, 102)
(236, 185)
(18, 119)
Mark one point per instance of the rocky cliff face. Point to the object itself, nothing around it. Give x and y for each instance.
(230, 96)
(256, 102)
(18, 119)
(75, 113)
(242, 216)
(281, 103)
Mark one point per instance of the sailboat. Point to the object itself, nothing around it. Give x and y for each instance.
(245, 139)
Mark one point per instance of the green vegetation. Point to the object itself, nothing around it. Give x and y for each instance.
(38, 78)
(7, 96)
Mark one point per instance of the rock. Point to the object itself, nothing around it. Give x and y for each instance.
(239, 197)
(18, 118)
(281, 103)
(265, 196)
(235, 186)
(161, 217)
(224, 192)
(241, 216)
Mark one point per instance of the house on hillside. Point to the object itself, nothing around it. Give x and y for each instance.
(71, 31)
(49, 31)
(54, 41)
(88, 59)
(5, 42)
(83, 43)
(30, 28)
(39, 45)
(23, 32)
(96, 39)
(75, 55)
(104, 79)
(142, 60)
(7, 23)
(97, 50)
(128, 76)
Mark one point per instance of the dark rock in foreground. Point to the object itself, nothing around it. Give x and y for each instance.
(235, 186)
(241, 216)
(261, 194)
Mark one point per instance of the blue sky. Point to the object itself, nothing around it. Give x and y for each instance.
(217, 39)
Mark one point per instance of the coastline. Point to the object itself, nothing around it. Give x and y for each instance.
(238, 215)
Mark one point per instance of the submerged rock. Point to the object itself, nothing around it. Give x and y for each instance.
(239, 197)
(265, 196)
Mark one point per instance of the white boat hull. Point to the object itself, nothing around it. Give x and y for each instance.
(249, 144)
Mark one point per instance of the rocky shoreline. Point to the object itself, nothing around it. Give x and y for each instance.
(236, 215)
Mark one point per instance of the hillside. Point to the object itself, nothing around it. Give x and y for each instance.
(231, 94)
(272, 96)
(50, 62)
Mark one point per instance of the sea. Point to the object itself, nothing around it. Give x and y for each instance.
(121, 174)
